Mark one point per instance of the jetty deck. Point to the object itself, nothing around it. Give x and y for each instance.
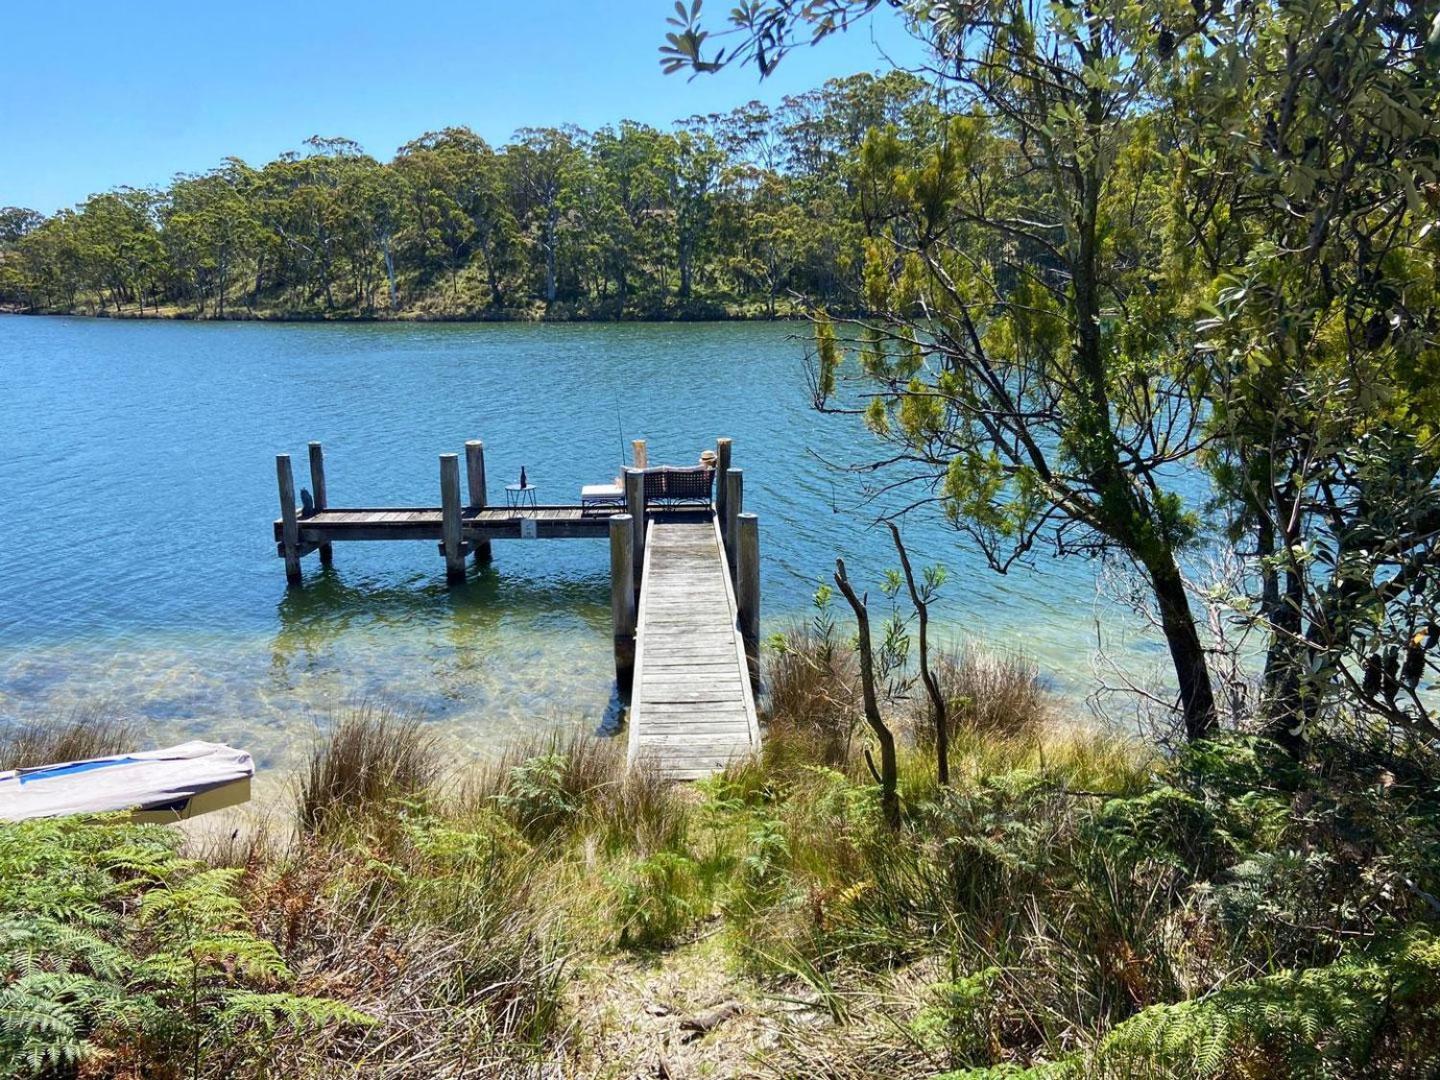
(477, 523)
(692, 706)
(684, 584)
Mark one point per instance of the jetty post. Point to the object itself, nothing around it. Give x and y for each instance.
(639, 454)
(722, 469)
(747, 591)
(450, 541)
(734, 507)
(322, 501)
(622, 596)
(475, 482)
(290, 521)
(635, 509)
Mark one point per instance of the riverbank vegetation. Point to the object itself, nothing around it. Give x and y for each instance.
(1122, 241)
(1071, 904)
(721, 216)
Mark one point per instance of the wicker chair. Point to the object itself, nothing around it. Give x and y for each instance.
(669, 485)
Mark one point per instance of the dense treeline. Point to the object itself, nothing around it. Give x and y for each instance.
(725, 214)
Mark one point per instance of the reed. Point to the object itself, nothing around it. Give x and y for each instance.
(86, 733)
(369, 758)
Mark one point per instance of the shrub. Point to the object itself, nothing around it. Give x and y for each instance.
(546, 783)
(958, 1024)
(369, 759)
(658, 899)
(997, 693)
(813, 685)
(115, 948)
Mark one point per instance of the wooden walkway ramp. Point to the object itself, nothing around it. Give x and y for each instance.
(692, 709)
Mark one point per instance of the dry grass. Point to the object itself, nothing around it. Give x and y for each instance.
(814, 692)
(82, 735)
(370, 758)
(993, 693)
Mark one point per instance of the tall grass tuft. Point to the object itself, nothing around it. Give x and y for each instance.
(84, 734)
(814, 692)
(370, 758)
(999, 693)
(566, 781)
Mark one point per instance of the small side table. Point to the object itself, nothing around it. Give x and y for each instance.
(518, 496)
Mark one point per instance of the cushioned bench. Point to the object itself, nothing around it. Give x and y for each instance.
(593, 495)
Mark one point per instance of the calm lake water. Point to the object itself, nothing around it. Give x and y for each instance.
(137, 491)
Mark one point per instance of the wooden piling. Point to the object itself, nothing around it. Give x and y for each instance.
(639, 454)
(622, 596)
(317, 488)
(747, 590)
(734, 507)
(475, 482)
(290, 521)
(635, 509)
(450, 539)
(722, 469)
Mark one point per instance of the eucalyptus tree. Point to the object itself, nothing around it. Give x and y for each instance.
(633, 163)
(772, 237)
(472, 177)
(46, 266)
(120, 245)
(210, 227)
(301, 206)
(17, 222)
(1022, 355)
(540, 165)
(431, 171)
(693, 171)
(375, 210)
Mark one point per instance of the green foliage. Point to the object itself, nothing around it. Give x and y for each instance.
(536, 795)
(1333, 1020)
(959, 1024)
(112, 943)
(718, 216)
(658, 899)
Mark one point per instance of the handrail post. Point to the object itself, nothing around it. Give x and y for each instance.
(289, 520)
(450, 518)
(734, 507)
(322, 501)
(622, 596)
(747, 591)
(722, 468)
(475, 481)
(635, 508)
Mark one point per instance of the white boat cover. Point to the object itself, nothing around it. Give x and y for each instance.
(144, 780)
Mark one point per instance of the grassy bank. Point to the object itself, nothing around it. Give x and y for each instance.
(1074, 904)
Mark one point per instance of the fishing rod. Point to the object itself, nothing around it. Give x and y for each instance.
(620, 430)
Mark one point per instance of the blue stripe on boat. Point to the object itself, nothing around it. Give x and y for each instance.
(53, 771)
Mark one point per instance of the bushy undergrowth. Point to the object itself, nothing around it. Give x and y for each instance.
(1071, 905)
(119, 957)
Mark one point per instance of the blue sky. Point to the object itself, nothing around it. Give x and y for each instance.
(102, 93)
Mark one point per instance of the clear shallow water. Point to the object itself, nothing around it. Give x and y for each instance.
(137, 491)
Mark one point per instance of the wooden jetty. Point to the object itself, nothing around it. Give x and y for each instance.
(684, 579)
(692, 705)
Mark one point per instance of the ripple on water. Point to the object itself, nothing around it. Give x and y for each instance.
(142, 454)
